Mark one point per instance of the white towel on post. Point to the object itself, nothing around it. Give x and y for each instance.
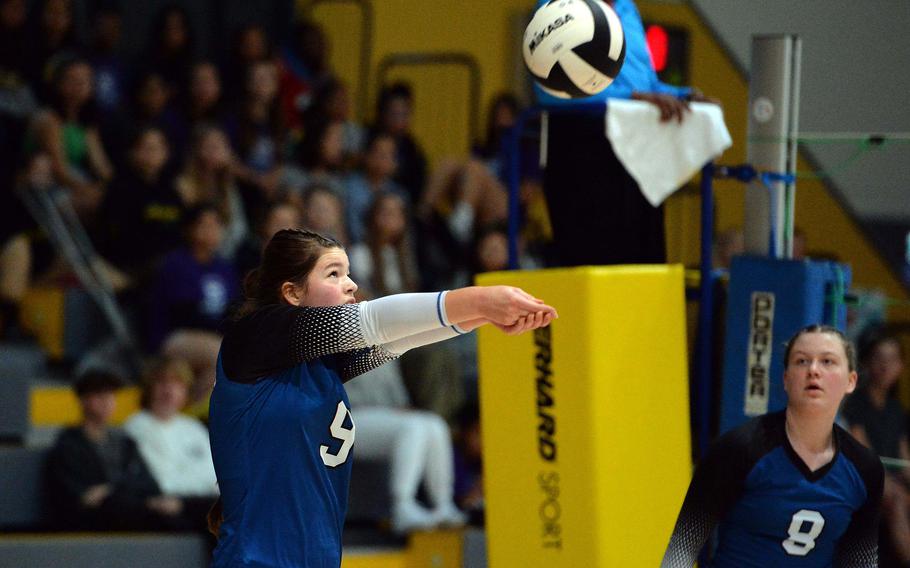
(662, 156)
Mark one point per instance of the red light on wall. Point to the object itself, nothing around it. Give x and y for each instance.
(658, 44)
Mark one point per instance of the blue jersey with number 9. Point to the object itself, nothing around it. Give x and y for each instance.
(282, 435)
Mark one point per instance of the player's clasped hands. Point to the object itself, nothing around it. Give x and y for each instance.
(514, 311)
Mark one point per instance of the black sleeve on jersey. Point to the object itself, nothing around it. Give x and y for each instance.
(277, 337)
(854, 409)
(716, 486)
(355, 363)
(858, 547)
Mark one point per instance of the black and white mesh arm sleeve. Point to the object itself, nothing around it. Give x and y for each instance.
(359, 362)
(405, 344)
(858, 547)
(715, 488)
(337, 329)
(693, 528)
(356, 363)
(281, 336)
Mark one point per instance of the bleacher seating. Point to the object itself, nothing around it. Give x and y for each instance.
(21, 477)
(19, 364)
(22, 509)
(73, 330)
(145, 550)
(369, 500)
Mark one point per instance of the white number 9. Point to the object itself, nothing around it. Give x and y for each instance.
(801, 543)
(339, 432)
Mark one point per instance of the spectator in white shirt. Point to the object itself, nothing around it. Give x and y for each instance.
(175, 446)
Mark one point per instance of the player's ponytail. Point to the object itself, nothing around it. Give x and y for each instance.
(251, 283)
(215, 518)
(289, 256)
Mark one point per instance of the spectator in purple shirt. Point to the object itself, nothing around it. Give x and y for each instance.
(191, 297)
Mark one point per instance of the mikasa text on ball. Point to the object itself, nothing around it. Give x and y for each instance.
(574, 48)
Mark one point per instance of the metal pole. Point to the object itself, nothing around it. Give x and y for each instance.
(773, 110)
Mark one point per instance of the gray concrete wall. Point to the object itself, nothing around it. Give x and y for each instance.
(856, 77)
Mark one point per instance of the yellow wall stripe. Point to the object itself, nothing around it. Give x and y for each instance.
(57, 406)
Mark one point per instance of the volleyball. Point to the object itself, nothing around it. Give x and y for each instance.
(574, 48)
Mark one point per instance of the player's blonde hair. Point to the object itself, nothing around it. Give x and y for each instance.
(160, 369)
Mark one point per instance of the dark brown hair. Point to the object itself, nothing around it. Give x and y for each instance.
(819, 328)
(315, 131)
(289, 256)
(398, 90)
(872, 339)
(407, 266)
(191, 177)
(95, 381)
(248, 128)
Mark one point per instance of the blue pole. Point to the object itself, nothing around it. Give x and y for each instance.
(515, 182)
(514, 176)
(704, 352)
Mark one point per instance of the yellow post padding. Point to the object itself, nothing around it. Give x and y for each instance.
(586, 423)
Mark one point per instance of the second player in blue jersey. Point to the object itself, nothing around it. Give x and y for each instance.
(788, 489)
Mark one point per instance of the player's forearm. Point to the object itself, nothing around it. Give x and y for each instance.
(396, 317)
(502, 305)
(420, 339)
(391, 318)
(467, 304)
(471, 325)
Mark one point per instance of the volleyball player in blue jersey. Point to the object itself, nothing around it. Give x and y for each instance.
(280, 427)
(789, 488)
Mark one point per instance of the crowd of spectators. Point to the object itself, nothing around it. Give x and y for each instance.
(154, 474)
(877, 419)
(136, 145)
(180, 168)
